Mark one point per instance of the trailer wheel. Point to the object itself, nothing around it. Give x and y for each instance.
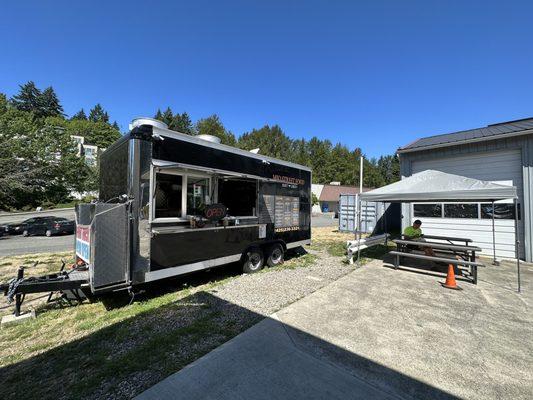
(48, 233)
(25, 234)
(275, 255)
(253, 260)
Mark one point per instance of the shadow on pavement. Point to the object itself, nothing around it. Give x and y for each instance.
(127, 357)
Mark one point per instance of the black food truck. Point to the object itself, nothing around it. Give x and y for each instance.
(171, 204)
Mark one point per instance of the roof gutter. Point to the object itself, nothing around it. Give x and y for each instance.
(475, 140)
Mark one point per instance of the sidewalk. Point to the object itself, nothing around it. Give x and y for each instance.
(262, 363)
(378, 333)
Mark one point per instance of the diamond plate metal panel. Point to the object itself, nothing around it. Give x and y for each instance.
(110, 245)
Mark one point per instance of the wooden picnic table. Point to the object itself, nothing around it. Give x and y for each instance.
(467, 254)
(468, 251)
(447, 238)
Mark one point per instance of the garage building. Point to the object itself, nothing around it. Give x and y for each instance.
(500, 153)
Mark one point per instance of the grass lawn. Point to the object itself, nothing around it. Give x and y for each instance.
(83, 351)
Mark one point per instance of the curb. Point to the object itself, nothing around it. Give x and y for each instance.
(14, 214)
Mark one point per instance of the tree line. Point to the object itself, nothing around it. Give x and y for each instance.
(40, 164)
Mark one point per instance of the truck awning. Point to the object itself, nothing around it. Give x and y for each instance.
(162, 165)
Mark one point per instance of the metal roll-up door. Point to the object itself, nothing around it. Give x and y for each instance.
(500, 167)
(503, 167)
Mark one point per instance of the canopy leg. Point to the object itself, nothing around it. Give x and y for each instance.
(517, 243)
(359, 209)
(494, 262)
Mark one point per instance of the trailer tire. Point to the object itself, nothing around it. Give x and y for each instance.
(275, 255)
(253, 260)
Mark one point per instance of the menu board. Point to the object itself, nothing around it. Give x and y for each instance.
(283, 211)
(267, 209)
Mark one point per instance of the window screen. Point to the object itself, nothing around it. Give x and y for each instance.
(168, 196)
(501, 211)
(461, 211)
(428, 210)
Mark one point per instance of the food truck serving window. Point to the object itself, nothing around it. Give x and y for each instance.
(168, 196)
(179, 194)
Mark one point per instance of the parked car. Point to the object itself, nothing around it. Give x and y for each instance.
(47, 226)
(18, 227)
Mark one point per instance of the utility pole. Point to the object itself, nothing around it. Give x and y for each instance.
(359, 208)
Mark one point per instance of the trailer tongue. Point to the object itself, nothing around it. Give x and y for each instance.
(68, 282)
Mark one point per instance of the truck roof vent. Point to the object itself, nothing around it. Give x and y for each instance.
(209, 138)
(147, 121)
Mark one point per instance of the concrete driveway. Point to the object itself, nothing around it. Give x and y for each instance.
(378, 333)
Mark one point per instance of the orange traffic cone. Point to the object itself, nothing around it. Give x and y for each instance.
(450, 279)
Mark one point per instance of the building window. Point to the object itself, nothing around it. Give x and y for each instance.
(501, 211)
(168, 196)
(197, 195)
(428, 210)
(461, 211)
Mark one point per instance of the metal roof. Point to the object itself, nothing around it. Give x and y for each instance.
(494, 131)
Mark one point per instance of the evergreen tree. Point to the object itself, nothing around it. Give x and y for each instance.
(182, 123)
(28, 98)
(49, 104)
(98, 114)
(389, 168)
(271, 141)
(167, 117)
(115, 126)
(80, 115)
(158, 115)
(213, 126)
(3, 103)
(319, 156)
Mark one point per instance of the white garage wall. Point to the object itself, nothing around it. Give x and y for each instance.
(499, 166)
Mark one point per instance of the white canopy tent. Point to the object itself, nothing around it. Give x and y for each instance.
(431, 186)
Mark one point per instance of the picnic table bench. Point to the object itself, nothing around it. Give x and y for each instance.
(449, 239)
(465, 256)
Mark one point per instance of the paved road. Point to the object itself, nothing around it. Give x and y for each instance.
(16, 245)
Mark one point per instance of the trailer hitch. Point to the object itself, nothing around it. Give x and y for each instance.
(62, 281)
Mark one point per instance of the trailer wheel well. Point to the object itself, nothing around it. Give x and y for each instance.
(264, 247)
(267, 245)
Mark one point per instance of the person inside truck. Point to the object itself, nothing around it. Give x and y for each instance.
(415, 233)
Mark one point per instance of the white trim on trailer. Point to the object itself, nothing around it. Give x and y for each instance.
(183, 269)
(292, 245)
(231, 149)
(198, 266)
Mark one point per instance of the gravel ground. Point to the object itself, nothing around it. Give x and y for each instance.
(267, 292)
(239, 304)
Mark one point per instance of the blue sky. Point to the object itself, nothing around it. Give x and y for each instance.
(369, 74)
